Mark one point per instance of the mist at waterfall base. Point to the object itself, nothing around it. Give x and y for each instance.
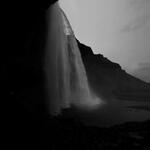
(67, 83)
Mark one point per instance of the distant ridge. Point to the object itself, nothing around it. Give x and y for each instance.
(108, 78)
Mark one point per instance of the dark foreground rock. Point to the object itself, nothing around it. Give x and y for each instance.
(68, 133)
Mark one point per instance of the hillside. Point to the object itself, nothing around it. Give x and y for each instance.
(108, 78)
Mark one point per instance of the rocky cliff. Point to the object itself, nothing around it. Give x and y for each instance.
(108, 78)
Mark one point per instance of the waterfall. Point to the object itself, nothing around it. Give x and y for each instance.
(66, 79)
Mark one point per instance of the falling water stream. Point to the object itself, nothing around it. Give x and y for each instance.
(66, 78)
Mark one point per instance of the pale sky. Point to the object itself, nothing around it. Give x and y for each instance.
(118, 29)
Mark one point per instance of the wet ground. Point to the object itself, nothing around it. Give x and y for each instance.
(118, 112)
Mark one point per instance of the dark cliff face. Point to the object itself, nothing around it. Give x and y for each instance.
(22, 66)
(22, 73)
